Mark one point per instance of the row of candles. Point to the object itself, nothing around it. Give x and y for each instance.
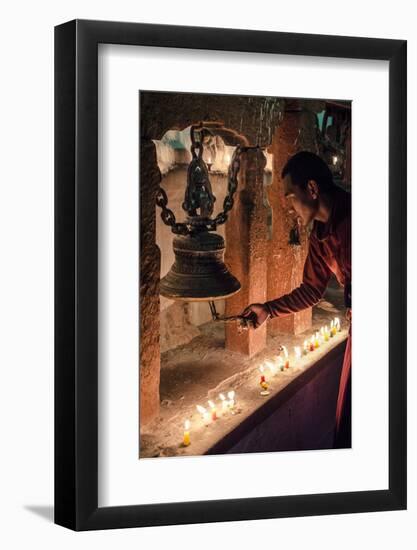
(211, 415)
(281, 364)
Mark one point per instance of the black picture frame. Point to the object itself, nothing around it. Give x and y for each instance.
(76, 272)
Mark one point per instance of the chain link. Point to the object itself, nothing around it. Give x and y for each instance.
(167, 215)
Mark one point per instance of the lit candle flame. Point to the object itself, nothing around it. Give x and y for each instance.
(186, 437)
(297, 351)
(205, 415)
(212, 409)
(271, 366)
(333, 326)
(231, 396)
(224, 402)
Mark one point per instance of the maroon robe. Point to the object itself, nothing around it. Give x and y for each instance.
(329, 252)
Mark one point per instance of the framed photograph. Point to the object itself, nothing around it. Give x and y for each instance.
(218, 195)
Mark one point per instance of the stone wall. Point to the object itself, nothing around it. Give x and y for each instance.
(149, 351)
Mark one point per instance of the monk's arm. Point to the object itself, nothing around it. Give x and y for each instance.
(316, 275)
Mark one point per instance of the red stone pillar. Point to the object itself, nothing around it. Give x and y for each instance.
(149, 367)
(245, 256)
(285, 261)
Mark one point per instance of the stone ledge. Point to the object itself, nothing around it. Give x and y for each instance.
(193, 383)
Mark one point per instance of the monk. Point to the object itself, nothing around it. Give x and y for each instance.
(316, 199)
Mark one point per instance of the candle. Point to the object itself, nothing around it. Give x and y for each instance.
(333, 329)
(204, 414)
(287, 361)
(224, 403)
(280, 363)
(312, 343)
(186, 437)
(272, 367)
(262, 382)
(297, 351)
(231, 396)
(212, 410)
(305, 347)
(326, 333)
(316, 340)
(277, 363)
(337, 324)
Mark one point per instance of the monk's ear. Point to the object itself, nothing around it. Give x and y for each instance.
(313, 189)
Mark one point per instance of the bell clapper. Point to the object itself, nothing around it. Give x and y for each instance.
(213, 310)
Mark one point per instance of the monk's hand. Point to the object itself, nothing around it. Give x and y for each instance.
(256, 313)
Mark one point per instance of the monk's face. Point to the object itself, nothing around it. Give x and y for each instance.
(303, 203)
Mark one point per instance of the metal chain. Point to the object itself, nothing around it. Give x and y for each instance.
(231, 189)
(168, 216)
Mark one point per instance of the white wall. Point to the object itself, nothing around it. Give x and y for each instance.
(26, 302)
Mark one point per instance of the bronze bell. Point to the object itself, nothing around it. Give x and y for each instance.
(199, 272)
